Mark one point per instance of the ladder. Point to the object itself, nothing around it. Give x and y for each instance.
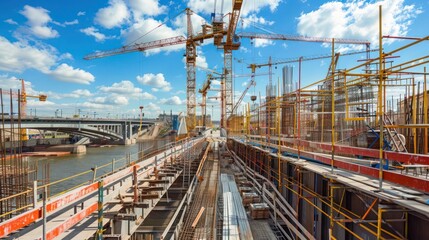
(398, 142)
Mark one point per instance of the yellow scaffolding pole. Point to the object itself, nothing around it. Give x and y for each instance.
(331, 195)
(425, 113)
(380, 99)
(414, 116)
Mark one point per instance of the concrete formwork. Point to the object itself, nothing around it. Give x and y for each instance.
(355, 212)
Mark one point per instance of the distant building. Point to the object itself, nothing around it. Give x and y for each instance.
(405, 109)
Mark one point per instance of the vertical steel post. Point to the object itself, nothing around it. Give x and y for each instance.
(380, 99)
(379, 220)
(299, 107)
(99, 234)
(425, 113)
(34, 194)
(331, 210)
(333, 109)
(45, 192)
(135, 183)
(94, 174)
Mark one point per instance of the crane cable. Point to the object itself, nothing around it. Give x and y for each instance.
(153, 29)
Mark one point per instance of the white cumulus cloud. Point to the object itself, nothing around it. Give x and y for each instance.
(154, 80)
(113, 15)
(67, 73)
(259, 42)
(175, 100)
(78, 93)
(127, 88)
(37, 22)
(207, 7)
(253, 19)
(111, 100)
(94, 32)
(10, 21)
(147, 7)
(358, 19)
(17, 57)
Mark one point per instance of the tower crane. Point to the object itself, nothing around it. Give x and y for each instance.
(215, 31)
(191, 42)
(203, 92)
(22, 97)
(230, 45)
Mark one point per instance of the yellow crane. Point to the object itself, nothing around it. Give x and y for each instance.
(22, 98)
(203, 92)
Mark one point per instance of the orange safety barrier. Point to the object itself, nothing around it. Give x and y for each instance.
(13, 224)
(69, 198)
(71, 221)
(25, 219)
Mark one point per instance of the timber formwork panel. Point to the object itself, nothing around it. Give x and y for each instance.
(307, 211)
(417, 227)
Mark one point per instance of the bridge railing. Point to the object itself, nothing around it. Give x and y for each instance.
(89, 178)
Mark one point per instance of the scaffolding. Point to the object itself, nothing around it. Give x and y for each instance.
(354, 119)
(17, 174)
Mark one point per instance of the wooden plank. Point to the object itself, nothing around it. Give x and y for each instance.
(154, 181)
(194, 224)
(151, 189)
(161, 175)
(143, 196)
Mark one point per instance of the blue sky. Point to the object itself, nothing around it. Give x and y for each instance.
(44, 42)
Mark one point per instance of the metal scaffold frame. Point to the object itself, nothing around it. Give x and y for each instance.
(17, 174)
(349, 121)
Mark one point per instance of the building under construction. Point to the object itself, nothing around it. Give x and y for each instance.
(17, 175)
(345, 157)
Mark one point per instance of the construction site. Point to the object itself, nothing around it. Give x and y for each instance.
(345, 157)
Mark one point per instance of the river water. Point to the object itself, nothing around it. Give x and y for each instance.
(66, 166)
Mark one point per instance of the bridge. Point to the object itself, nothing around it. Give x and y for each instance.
(121, 130)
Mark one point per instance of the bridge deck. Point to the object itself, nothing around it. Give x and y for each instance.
(65, 217)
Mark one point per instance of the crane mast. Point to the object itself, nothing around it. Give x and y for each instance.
(203, 92)
(191, 57)
(230, 45)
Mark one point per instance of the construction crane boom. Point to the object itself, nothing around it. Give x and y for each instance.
(251, 83)
(139, 47)
(203, 91)
(235, 14)
(275, 36)
(310, 58)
